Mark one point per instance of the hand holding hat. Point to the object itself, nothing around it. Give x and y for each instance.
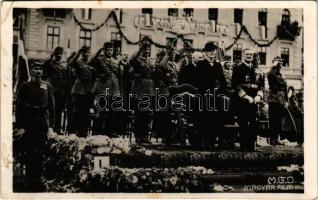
(277, 60)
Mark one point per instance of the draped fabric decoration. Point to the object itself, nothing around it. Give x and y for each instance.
(113, 15)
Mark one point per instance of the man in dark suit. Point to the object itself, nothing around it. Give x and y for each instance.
(210, 81)
(248, 94)
(188, 75)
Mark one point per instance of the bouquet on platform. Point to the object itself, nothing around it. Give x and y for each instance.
(116, 179)
(67, 155)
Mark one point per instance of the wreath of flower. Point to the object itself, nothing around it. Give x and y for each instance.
(113, 15)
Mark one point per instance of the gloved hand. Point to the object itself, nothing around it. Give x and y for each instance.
(249, 98)
(257, 99)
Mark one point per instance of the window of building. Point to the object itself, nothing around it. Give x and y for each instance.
(53, 37)
(286, 16)
(85, 38)
(262, 55)
(213, 14)
(171, 41)
(188, 12)
(285, 56)
(54, 13)
(238, 15)
(146, 11)
(117, 43)
(173, 12)
(262, 20)
(86, 13)
(262, 17)
(237, 53)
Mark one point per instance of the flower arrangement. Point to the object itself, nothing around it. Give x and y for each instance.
(115, 179)
(68, 166)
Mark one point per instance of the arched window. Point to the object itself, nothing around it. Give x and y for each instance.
(286, 16)
(262, 21)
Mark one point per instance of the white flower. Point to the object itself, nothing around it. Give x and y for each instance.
(173, 180)
(98, 140)
(52, 135)
(218, 188)
(134, 179)
(116, 151)
(81, 145)
(102, 150)
(209, 171)
(148, 153)
(72, 137)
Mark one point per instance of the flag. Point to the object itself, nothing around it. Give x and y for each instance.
(22, 68)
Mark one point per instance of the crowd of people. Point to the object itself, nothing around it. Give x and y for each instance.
(63, 95)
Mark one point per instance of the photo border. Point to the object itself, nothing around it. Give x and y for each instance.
(310, 96)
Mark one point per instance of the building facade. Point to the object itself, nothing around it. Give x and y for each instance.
(44, 29)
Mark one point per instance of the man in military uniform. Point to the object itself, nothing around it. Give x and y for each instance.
(34, 115)
(82, 90)
(57, 74)
(106, 83)
(166, 76)
(143, 85)
(277, 99)
(248, 95)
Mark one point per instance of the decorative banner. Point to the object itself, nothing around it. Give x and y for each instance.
(179, 25)
(222, 29)
(117, 12)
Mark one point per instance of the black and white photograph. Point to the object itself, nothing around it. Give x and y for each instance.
(158, 99)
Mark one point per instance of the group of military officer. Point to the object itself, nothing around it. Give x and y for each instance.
(76, 84)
